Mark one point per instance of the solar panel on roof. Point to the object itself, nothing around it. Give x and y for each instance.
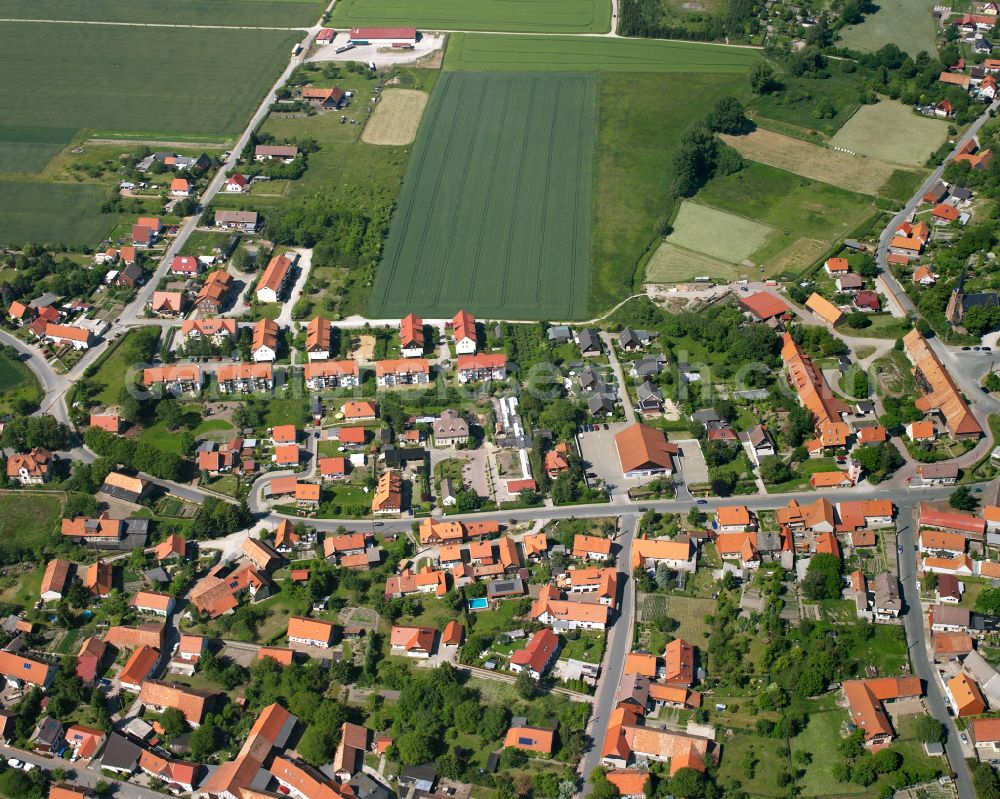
(526, 741)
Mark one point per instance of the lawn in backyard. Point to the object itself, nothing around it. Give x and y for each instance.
(17, 382)
(52, 213)
(819, 739)
(906, 24)
(267, 13)
(544, 16)
(765, 776)
(495, 211)
(130, 79)
(718, 234)
(642, 119)
(562, 53)
(690, 612)
(589, 647)
(28, 521)
(170, 440)
(112, 370)
(914, 137)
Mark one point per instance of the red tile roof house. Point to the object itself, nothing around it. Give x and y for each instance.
(478, 368)
(236, 183)
(411, 336)
(153, 602)
(414, 642)
(76, 337)
(167, 304)
(109, 422)
(30, 468)
(185, 265)
(310, 632)
(284, 434)
(191, 702)
(538, 655)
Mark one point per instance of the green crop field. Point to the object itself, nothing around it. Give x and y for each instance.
(132, 79)
(26, 149)
(478, 51)
(673, 264)
(269, 13)
(914, 137)
(495, 211)
(52, 213)
(17, 382)
(786, 201)
(905, 23)
(717, 233)
(555, 16)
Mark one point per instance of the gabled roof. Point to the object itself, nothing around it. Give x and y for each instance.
(413, 638)
(310, 629)
(943, 393)
(190, 701)
(642, 447)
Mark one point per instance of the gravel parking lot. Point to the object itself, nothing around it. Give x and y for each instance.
(692, 461)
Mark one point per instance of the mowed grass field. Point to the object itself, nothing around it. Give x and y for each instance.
(863, 175)
(779, 221)
(674, 264)
(473, 51)
(790, 202)
(642, 119)
(552, 16)
(52, 213)
(906, 23)
(495, 211)
(133, 79)
(892, 132)
(28, 524)
(396, 117)
(718, 234)
(276, 13)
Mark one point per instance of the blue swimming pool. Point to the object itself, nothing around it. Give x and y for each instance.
(479, 603)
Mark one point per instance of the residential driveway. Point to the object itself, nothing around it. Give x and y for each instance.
(600, 457)
(692, 461)
(303, 265)
(473, 471)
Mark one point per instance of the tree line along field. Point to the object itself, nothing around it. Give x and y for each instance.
(472, 51)
(555, 16)
(268, 13)
(495, 211)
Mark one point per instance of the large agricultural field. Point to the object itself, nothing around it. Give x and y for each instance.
(268, 13)
(32, 211)
(471, 51)
(553, 16)
(905, 23)
(131, 79)
(111, 81)
(913, 138)
(495, 212)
